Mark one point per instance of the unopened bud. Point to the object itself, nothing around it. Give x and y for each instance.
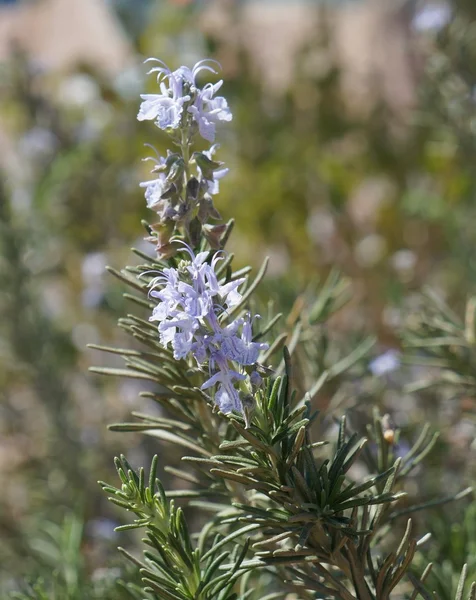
(248, 403)
(388, 429)
(207, 209)
(170, 192)
(176, 171)
(167, 251)
(207, 166)
(213, 235)
(163, 232)
(193, 186)
(256, 379)
(194, 231)
(263, 370)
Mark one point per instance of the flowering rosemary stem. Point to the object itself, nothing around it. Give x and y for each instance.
(191, 298)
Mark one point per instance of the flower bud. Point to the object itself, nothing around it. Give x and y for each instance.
(255, 379)
(163, 232)
(214, 234)
(194, 231)
(206, 164)
(247, 402)
(193, 186)
(176, 171)
(388, 429)
(264, 371)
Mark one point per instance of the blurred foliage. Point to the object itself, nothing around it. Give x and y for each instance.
(61, 561)
(386, 195)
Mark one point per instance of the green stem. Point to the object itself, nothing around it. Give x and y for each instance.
(185, 149)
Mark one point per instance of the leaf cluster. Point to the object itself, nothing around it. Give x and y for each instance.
(320, 520)
(173, 568)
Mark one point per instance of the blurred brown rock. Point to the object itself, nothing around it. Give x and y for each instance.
(369, 39)
(61, 34)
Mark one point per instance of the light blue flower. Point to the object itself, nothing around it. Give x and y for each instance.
(197, 302)
(433, 16)
(227, 396)
(179, 332)
(166, 107)
(191, 301)
(207, 110)
(178, 88)
(182, 73)
(165, 110)
(154, 190)
(206, 282)
(213, 186)
(224, 376)
(386, 363)
(242, 349)
(228, 399)
(155, 187)
(168, 294)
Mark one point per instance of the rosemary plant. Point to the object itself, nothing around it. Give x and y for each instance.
(275, 512)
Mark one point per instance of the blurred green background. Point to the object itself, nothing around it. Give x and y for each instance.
(353, 145)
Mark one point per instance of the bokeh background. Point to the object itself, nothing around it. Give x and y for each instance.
(353, 146)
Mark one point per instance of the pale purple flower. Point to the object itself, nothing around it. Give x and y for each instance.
(169, 295)
(154, 190)
(155, 187)
(182, 73)
(242, 349)
(165, 108)
(213, 185)
(227, 396)
(224, 376)
(228, 399)
(166, 111)
(207, 110)
(183, 341)
(178, 89)
(206, 282)
(433, 16)
(256, 379)
(179, 332)
(385, 363)
(191, 300)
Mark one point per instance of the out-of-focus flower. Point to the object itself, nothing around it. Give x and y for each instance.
(38, 142)
(433, 16)
(129, 82)
(370, 250)
(385, 363)
(79, 90)
(93, 269)
(404, 260)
